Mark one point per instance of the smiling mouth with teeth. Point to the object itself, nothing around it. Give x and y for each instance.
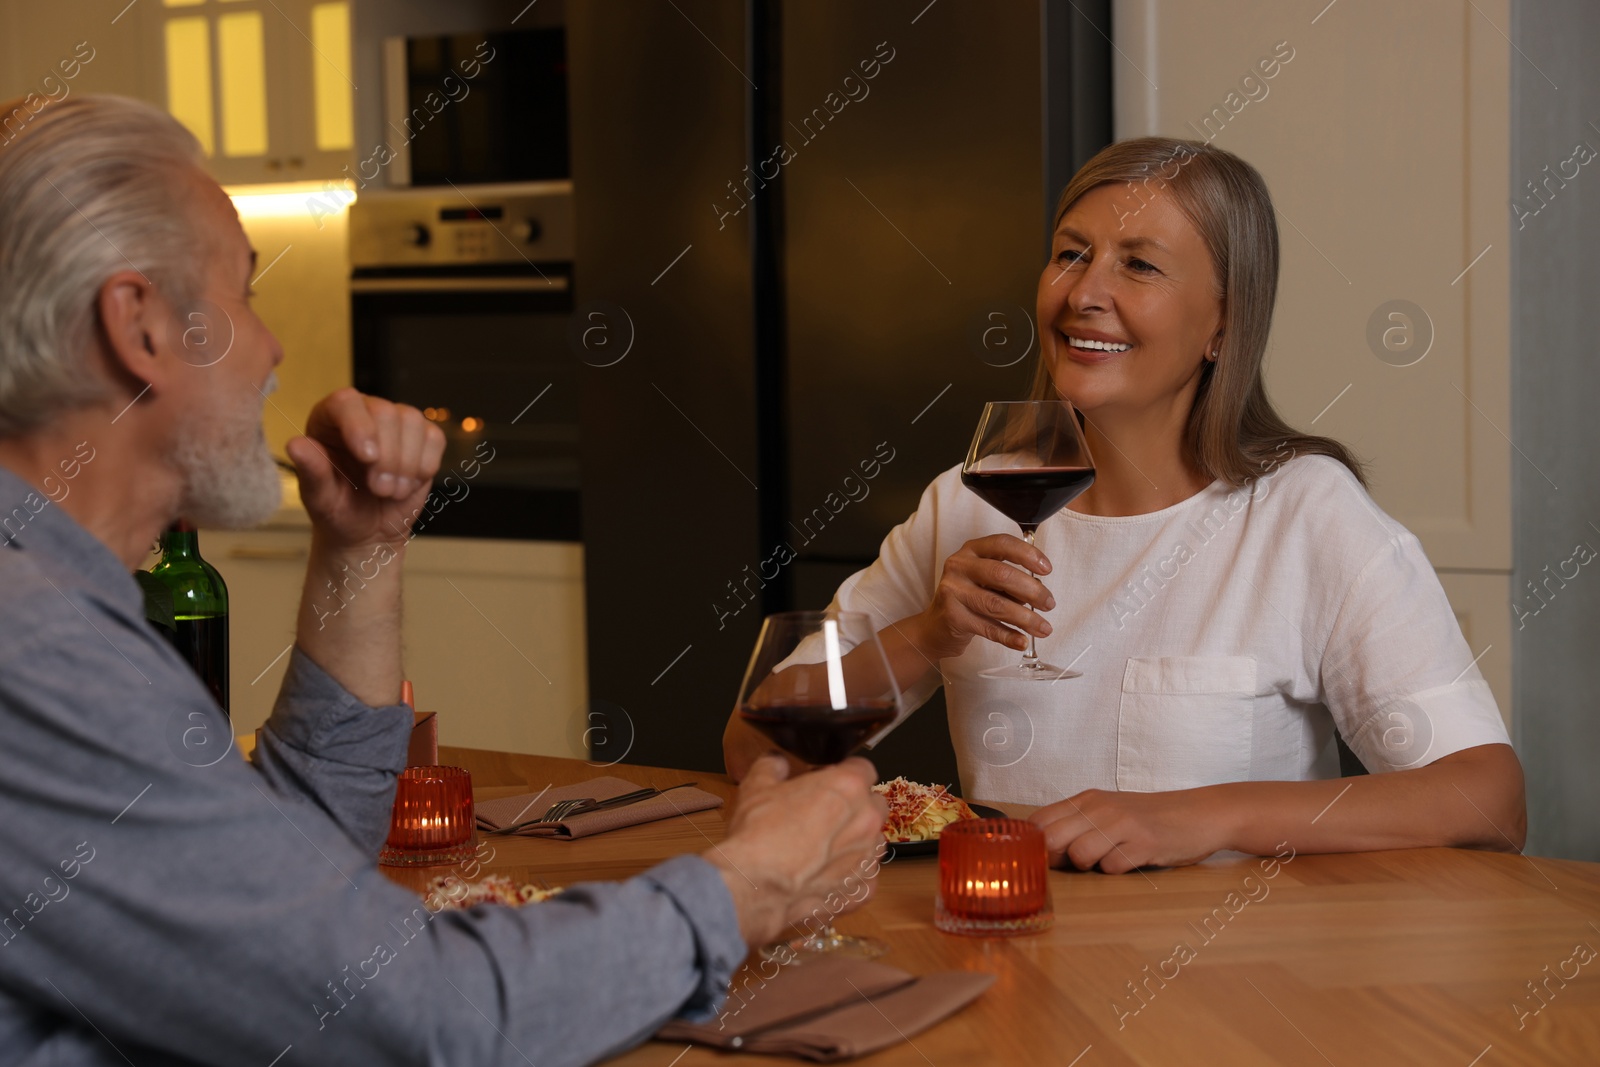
(1096, 346)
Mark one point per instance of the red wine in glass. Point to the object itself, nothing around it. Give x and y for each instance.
(821, 739)
(1028, 496)
(1028, 460)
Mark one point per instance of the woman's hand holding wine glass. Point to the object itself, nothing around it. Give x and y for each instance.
(982, 593)
(1028, 460)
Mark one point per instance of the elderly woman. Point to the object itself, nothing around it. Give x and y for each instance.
(1227, 588)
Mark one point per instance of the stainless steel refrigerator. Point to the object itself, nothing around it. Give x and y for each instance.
(808, 237)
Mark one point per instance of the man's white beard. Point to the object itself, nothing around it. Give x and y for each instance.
(230, 481)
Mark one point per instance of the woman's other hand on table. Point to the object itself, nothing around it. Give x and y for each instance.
(1119, 832)
(797, 846)
(1473, 798)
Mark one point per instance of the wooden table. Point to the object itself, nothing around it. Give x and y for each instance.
(1422, 956)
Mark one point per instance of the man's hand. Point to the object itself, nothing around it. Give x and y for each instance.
(800, 846)
(1123, 831)
(365, 468)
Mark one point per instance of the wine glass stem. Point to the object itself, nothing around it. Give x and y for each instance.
(1030, 659)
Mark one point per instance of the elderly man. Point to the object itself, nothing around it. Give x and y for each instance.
(153, 909)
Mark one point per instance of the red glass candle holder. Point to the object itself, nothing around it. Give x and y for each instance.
(432, 820)
(992, 879)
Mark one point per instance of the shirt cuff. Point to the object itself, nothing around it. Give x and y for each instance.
(318, 716)
(323, 745)
(702, 898)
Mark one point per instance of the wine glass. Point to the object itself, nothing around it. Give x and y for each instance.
(819, 685)
(1028, 460)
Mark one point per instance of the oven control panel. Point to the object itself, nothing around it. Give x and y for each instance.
(477, 224)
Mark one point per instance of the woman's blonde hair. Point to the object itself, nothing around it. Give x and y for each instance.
(1233, 433)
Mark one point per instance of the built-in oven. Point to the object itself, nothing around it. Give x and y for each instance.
(460, 305)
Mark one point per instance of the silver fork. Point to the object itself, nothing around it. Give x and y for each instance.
(563, 809)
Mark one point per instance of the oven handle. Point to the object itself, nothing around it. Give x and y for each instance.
(556, 284)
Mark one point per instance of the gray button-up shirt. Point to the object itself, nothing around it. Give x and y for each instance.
(164, 901)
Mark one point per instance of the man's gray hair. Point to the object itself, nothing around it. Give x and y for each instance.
(89, 186)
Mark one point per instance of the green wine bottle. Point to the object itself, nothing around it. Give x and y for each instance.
(200, 608)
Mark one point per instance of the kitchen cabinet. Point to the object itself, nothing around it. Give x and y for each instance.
(264, 84)
(494, 632)
(494, 638)
(1403, 356)
(58, 51)
(1479, 603)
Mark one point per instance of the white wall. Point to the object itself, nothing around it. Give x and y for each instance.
(1385, 143)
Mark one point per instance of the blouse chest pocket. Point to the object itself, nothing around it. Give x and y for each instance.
(1185, 721)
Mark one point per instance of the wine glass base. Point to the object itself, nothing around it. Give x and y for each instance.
(828, 942)
(1040, 672)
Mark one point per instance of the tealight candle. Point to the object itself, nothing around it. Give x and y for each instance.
(992, 879)
(432, 819)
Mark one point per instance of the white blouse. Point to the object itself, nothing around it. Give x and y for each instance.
(1219, 640)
